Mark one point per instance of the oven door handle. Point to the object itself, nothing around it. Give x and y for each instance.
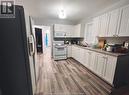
(59, 47)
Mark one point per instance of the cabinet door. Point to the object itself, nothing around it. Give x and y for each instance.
(59, 27)
(92, 61)
(113, 22)
(69, 51)
(96, 25)
(56, 27)
(87, 58)
(81, 55)
(104, 20)
(77, 30)
(100, 64)
(124, 25)
(110, 69)
(69, 30)
(74, 52)
(89, 35)
(78, 55)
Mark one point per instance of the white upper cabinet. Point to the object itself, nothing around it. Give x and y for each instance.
(89, 33)
(104, 20)
(124, 24)
(77, 31)
(96, 25)
(59, 27)
(67, 30)
(63, 30)
(113, 23)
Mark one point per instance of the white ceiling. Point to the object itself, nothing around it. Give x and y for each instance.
(76, 10)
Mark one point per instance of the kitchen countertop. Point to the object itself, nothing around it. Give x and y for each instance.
(104, 52)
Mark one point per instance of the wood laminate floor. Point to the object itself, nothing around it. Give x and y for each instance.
(67, 77)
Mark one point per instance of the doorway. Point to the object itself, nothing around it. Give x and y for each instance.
(39, 45)
(46, 38)
(43, 38)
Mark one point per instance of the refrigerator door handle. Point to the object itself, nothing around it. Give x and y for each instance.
(31, 44)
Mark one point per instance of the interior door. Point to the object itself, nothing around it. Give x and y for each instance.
(39, 45)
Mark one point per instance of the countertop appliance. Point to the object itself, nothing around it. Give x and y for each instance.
(15, 64)
(116, 48)
(126, 44)
(101, 43)
(59, 50)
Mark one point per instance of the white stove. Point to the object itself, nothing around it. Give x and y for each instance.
(59, 50)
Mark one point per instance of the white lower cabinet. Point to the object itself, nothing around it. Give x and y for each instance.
(88, 60)
(81, 55)
(101, 64)
(105, 66)
(110, 66)
(74, 52)
(69, 51)
(93, 61)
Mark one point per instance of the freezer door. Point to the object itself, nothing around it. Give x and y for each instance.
(31, 49)
(15, 68)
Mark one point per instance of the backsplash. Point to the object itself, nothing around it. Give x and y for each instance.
(116, 40)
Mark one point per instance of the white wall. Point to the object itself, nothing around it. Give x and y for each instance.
(119, 4)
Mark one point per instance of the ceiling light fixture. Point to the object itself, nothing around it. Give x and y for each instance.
(62, 14)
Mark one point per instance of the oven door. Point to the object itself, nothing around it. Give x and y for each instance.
(60, 50)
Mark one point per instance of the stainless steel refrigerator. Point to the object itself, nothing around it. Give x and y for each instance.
(16, 76)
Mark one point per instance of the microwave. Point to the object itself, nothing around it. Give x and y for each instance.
(59, 34)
